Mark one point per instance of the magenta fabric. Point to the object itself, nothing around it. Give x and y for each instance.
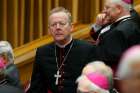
(99, 80)
(2, 65)
(128, 1)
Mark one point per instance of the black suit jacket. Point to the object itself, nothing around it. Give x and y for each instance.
(134, 15)
(45, 68)
(114, 42)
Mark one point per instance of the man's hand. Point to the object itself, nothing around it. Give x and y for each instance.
(101, 19)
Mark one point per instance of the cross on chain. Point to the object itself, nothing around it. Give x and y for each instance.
(57, 76)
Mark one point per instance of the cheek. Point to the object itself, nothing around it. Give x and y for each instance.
(69, 29)
(136, 83)
(125, 86)
(131, 85)
(51, 31)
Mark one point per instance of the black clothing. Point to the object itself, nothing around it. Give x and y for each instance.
(12, 75)
(122, 35)
(10, 89)
(45, 67)
(134, 15)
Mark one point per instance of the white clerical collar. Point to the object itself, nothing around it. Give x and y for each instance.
(123, 17)
(63, 46)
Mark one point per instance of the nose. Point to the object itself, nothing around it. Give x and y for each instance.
(57, 25)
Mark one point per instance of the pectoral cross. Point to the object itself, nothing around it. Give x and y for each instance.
(57, 76)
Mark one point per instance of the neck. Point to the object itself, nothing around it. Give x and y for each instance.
(122, 17)
(124, 13)
(64, 43)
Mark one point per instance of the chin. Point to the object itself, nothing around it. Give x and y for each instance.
(59, 39)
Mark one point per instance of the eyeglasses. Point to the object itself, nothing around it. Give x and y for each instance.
(61, 24)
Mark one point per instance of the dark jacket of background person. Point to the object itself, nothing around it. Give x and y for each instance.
(9, 89)
(121, 36)
(94, 34)
(12, 75)
(7, 85)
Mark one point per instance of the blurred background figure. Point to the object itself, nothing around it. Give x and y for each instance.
(96, 77)
(6, 87)
(103, 21)
(8, 70)
(93, 83)
(128, 71)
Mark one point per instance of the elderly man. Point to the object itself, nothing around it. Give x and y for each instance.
(128, 72)
(96, 77)
(58, 64)
(123, 33)
(102, 21)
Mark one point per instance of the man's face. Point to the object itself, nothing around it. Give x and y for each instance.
(132, 83)
(111, 10)
(59, 26)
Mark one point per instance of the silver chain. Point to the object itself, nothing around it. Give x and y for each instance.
(65, 57)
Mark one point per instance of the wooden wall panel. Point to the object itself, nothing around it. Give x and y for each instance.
(22, 21)
(75, 10)
(47, 5)
(136, 2)
(56, 3)
(12, 22)
(28, 30)
(3, 19)
(31, 19)
(40, 19)
(88, 9)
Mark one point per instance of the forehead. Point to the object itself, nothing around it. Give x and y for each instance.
(58, 16)
(109, 3)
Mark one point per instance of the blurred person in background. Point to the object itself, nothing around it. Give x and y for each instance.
(9, 75)
(103, 22)
(7, 63)
(128, 72)
(96, 77)
(122, 33)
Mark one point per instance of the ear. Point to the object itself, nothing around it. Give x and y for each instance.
(72, 27)
(49, 30)
(119, 9)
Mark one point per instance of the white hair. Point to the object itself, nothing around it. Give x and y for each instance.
(121, 3)
(7, 51)
(130, 57)
(91, 87)
(100, 66)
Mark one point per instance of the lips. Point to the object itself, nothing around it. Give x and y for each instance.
(58, 34)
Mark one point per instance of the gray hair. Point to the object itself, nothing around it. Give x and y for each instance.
(101, 67)
(121, 3)
(6, 51)
(61, 9)
(90, 86)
